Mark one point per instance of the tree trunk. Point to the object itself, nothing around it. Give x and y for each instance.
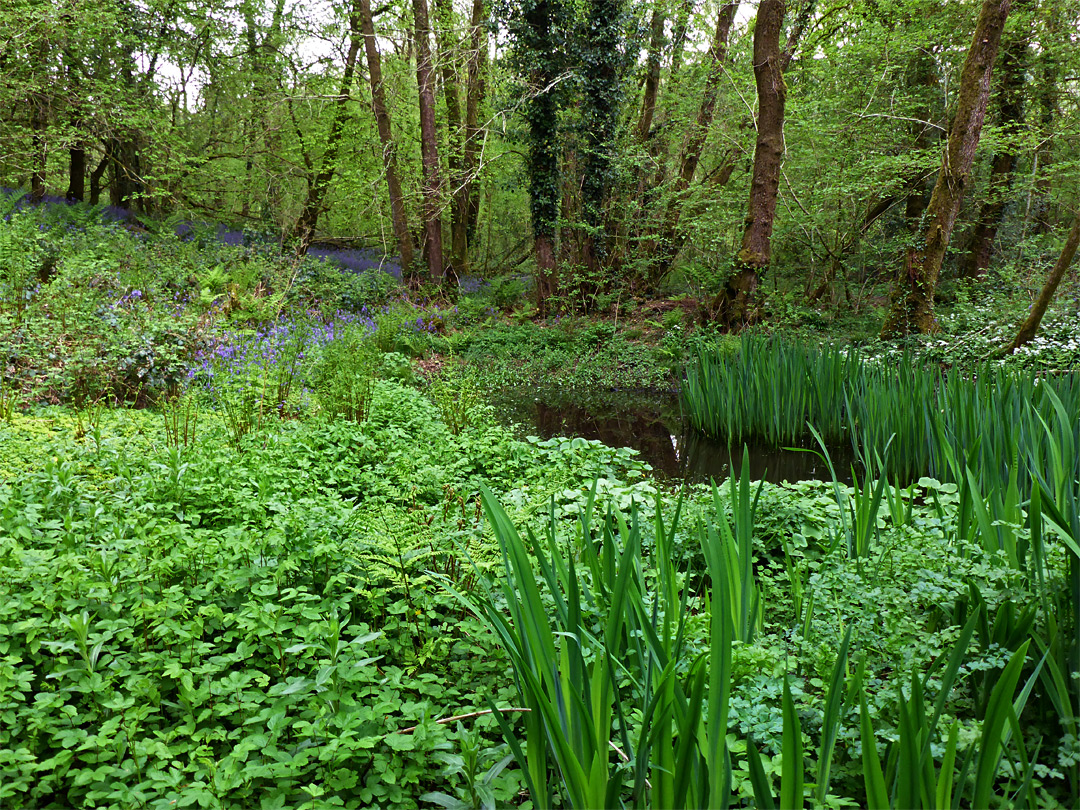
(124, 182)
(669, 243)
(541, 112)
(736, 300)
(317, 188)
(76, 189)
(398, 214)
(1011, 95)
(1047, 97)
(98, 173)
(429, 143)
(547, 279)
(1038, 309)
(652, 73)
(476, 66)
(38, 122)
(261, 60)
(913, 297)
(678, 36)
(600, 117)
(449, 59)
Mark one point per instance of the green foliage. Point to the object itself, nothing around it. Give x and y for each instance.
(601, 638)
(342, 378)
(457, 394)
(572, 352)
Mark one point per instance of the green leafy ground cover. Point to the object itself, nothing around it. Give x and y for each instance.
(236, 567)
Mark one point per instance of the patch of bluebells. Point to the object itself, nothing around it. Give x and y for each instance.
(471, 285)
(432, 321)
(358, 260)
(237, 356)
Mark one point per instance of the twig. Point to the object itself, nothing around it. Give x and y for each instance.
(625, 758)
(468, 716)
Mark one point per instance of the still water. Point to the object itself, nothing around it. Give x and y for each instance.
(652, 423)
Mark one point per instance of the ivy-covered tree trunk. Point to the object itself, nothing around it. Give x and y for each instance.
(601, 60)
(678, 36)
(1002, 166)
(541, 112)
(320, 184)
(429, 143)
(912, 307)
(1053, 281)
(1055, 41)
(398, 214)
(736, 300)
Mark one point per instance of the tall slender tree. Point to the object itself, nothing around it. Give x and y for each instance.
(912, 307)
(429, 143)
(669, 241)
(320, 183)
(735, 301)
(537, 56)
(398, 213)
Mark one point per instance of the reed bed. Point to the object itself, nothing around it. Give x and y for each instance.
(900, 416)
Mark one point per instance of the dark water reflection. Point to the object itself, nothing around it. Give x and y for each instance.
(653, 424)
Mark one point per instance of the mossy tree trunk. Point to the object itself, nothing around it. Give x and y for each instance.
(912, 308)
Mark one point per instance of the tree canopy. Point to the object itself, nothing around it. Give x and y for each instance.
(608, 147)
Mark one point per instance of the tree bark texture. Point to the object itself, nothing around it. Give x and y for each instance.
(318, 186)
(398, 213)
(124, 172)
(753, 259)
(1003, 165)
(1053, 280)
(429, 143)
(912, 307)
